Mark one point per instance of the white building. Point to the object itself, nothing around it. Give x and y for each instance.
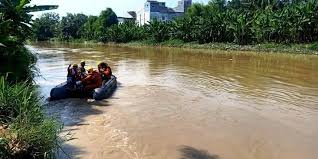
(158, 10)
(128, 17)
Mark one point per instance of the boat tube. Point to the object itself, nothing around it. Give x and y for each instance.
(63, 91)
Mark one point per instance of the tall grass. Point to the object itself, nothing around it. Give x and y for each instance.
(25, 131)
(314, 46)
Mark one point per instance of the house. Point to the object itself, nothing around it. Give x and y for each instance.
(158, 10)
(129, 17)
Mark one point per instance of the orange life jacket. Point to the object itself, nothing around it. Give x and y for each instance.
(92, 81)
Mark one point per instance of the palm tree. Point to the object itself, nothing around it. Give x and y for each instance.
(159, 30)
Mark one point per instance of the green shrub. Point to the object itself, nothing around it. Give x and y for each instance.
(30, 133)
(4, 147)
(314, 46)
(18, 63)
(173, 42)
(126, 32)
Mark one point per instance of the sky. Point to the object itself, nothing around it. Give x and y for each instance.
(94, 7)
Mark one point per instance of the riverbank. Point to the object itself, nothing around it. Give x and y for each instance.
(269, 47)
(310, 48)
(25, 130)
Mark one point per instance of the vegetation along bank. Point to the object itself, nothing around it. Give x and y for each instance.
(239, 25)
(25, 130)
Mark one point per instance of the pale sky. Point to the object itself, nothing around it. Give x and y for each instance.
(94, 7)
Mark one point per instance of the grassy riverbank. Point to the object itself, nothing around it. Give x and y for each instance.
(25, 131)
(311, 48)
(269, 47)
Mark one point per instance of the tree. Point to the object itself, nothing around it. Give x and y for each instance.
(126, 32)
(106, 19)
(159, 31)
(239, 24)
(89, 29)
(234, 4)
(46, 26)
(196, 9)
(220, 4)
(182, 28)
(71, 24)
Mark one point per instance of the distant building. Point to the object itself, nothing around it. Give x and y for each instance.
(183, 5)
(129, 17)
(158, 10)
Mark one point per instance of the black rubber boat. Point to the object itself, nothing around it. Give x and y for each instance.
(63, 91)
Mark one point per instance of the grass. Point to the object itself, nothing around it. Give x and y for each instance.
(310, 48)
(25, 131)
(266, 47)
(314, 46)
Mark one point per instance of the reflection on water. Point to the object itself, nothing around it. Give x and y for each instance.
(229, 104)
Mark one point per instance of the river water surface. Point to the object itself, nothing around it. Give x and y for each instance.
(174, 103)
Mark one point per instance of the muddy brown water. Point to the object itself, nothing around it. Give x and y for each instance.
(174, 103)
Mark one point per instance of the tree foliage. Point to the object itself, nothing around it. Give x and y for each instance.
(159, 31)
(126, 32)
(80, 26)
(15, 19)
(89, 29)
(46, 26)
(15, 28)
(237, 21)
(71, 24)
(106, 19)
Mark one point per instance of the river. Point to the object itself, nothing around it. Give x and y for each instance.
(177, 103)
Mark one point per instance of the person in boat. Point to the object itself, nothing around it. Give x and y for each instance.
(72, 74)
(105, 71)
(82, 70)
(92, 80)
